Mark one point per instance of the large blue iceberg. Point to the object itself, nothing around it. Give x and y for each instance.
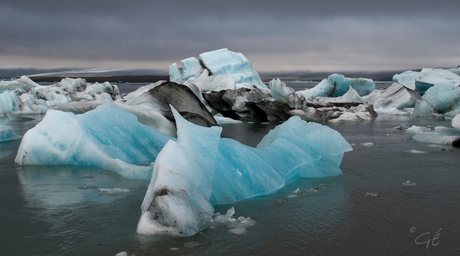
(108, 137)
(188, 175)
(200, 169)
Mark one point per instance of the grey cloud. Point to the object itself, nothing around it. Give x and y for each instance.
(299, 34)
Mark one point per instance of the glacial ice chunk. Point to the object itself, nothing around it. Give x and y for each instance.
(9, 102)
(108, 137)
(201, 169)
(456, 122)
(438, 135)
(7, 134)
(397, 96)
(217, 70)
(430, 77)
(337, 85)
(232, 64)
(406, 78)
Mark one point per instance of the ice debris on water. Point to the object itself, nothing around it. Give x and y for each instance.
(281, 202)
(315, 190)
(124, 253)
(192, 244)
(295, 191)
(371, 194)
(113, 191)
(291, 196)
(235, 226)
(413, 151)
(88, 187)
(409, 183)
(368, 144)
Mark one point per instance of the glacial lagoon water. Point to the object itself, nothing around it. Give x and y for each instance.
(57, 210)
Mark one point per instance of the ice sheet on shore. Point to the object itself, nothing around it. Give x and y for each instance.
(107, 137)
(201, 169)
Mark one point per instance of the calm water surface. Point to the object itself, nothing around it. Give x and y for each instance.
(43, 211)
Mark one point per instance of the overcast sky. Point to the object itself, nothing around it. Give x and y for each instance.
(304, 35)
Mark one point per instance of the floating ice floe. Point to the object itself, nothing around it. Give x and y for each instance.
(406, 78)
(337, 85)
(409, 183)
(23, 96)
(414, 151)
(438, 135)
(371, 194)
(7, 134)
(108, 137)
(113, 191)
(201, 169)
(397, 96)
(368, 144)
(236, 226)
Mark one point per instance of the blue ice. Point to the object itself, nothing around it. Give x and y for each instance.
(201, 169)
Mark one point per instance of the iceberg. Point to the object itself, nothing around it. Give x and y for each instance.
(438, 135)
(406, 78)
(430, 77)
(24, 96)
(9, 102)
(217, 70)
(7, 134)
(337, 85)
(439, 99)
(107, 137)
(201, 169)
(23, 83)
(396, 96)
(456, 122)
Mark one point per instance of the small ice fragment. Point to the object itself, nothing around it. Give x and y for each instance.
(124, 253)
(225, 218)
(352, 144)
(291, 196)
(107, 172)
(192, 244)
(295, 191)
(212, 227)
(312, 190)
(400, 127)
(409, 183)
(88, 187)
(174, 249)
(113, 191)
(413, 151)
(368, 144)
(238, 231)
(281, 202)
(88, 177)
(371, 194)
